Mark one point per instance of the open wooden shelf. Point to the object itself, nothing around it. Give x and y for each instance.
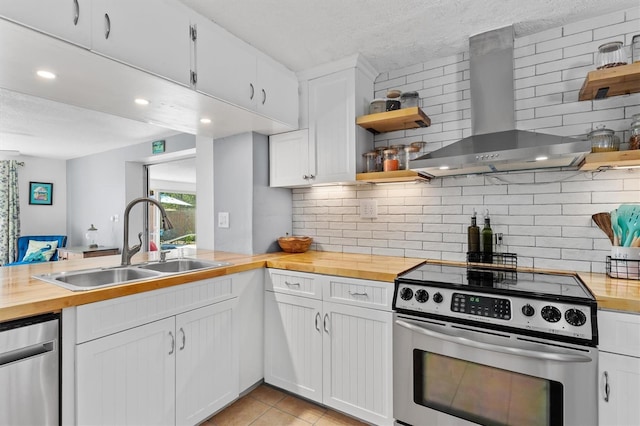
(597, 160)
(386, 177)
(390, 121)
(621, 80)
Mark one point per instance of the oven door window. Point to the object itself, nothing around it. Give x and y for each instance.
(483, 394)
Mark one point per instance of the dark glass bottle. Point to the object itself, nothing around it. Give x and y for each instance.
(473, 238)
(487, 240)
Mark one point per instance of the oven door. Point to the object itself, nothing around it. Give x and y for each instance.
(448, 374)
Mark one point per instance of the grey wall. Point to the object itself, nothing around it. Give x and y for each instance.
(99, 187)
(258, 215)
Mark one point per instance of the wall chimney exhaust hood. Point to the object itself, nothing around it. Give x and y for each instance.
(496, 146)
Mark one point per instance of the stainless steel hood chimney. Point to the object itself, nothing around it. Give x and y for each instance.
(496, 145)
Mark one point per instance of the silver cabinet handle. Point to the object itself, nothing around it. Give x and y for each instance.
(312, 177)
(317, 319)
(76, 12)
(264, 96)
(358, 294)
(26, 353)
(173, 343)
(107, 26)
(292, 284)
(184, 338)
(253, 91)
(305, 177)
(324, 323)
(606, 387)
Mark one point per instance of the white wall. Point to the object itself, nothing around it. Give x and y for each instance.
(40, 219)
(545, 216)
(101, 185)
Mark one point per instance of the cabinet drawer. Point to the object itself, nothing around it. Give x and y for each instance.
(298, 283)
(351, 291)
(111, 316)
(619, 333)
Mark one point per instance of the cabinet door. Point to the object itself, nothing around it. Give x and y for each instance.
(293, 344)
(289, 159)
(128, 378)
(69, 20)
(357, 362)
(206, 362)
(152, 35)
(621, 375)
(226, 66)
(277, 96)
(332, 133)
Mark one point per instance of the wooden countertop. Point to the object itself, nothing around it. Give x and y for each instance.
(21, 295)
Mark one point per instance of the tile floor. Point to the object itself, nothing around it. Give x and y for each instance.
(268, 406)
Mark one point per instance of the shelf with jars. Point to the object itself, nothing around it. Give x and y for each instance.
(614, 81)
(391, 164)
(390, 121)
(611, 160)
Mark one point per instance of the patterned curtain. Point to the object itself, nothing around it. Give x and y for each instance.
(9, 210)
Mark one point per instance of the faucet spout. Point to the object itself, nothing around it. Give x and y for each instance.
(128, 252)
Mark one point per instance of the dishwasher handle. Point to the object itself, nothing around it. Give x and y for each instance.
(25, 353)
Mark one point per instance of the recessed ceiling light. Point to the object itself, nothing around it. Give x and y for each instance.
(205, 120)
(542, 158)
(444, 167)
(46, 74)
(141, 101)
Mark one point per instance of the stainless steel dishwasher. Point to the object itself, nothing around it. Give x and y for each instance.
(29, 371)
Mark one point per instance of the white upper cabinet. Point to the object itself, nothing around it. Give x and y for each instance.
(334, 96)
(69, 20)
(289, 162)
(231, 70)
(152, 35)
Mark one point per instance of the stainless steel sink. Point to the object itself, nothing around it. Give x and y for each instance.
(183, 265)
(97, 278)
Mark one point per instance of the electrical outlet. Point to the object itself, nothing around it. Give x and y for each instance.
(223, 219)
(369, 209)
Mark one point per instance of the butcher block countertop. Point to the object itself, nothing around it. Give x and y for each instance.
(21, 295)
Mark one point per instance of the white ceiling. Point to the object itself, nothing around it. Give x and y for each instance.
(300, 34)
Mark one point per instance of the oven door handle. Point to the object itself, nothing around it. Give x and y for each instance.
(562, 357)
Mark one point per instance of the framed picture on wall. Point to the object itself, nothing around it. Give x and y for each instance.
(41, 193)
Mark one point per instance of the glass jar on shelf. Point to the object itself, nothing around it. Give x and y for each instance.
(370, 162)
(390, 160)
(610, 55)
(603, 140)
(421, 145)
(410, 153)
(400, 154)
(380, 151)
(634, 139)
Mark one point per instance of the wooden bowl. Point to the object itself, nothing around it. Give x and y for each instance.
(295, 244)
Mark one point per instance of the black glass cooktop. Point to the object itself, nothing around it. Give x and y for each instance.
(498, 280)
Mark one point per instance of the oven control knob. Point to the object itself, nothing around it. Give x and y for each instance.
(422, 296)
(437, 298)
(406, 293)
(528, 311)
(575, 317)
(551, 314)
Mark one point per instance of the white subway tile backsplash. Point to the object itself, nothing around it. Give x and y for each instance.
(545, 215)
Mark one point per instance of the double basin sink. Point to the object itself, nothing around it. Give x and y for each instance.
(90, 279)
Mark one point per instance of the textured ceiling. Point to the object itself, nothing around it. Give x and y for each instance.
(300, 34)
(391, 34)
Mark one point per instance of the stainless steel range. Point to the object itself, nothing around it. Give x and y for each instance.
(493, 346)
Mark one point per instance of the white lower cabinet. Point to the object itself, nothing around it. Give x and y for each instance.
(164, 357)
(619, 369)
(336, 353)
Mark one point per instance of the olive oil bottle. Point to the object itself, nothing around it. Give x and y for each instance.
(473, 238)
(487, 240)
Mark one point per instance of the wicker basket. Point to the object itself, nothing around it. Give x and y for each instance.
(295, 244)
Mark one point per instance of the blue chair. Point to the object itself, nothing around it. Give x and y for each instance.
(23, 245)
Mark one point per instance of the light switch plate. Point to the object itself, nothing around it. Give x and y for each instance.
(369, 209)
(223, 219)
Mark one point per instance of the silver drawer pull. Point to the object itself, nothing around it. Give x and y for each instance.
(358, 294)
(607, 389)
(292, 284)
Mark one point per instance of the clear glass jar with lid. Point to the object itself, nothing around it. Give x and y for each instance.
(390, 160)
(370, 162)
(380, 150)
(634, 139)
(410, 153)
(400, 153)
(603, 140)
(611, 55)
